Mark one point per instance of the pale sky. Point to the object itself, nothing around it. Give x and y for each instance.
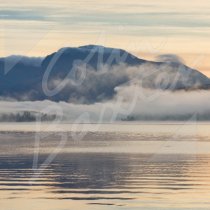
(145, 28)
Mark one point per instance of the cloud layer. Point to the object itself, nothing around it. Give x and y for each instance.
(130, 102)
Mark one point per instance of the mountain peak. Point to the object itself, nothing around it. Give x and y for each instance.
(99, 48)
(92, 47)
(26, 78)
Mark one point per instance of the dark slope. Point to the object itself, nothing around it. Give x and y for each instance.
(22, 78)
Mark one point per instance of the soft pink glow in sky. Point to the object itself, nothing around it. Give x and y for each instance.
(37, 28)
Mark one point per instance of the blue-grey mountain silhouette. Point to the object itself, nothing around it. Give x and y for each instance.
(90, 74)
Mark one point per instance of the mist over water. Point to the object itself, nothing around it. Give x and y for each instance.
(131, 100)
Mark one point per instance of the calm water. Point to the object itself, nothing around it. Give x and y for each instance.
(121, 166)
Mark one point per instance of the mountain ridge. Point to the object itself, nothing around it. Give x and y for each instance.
(23, 77)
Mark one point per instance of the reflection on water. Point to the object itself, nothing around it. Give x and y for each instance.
(95, 174)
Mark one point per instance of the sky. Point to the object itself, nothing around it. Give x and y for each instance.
(145, 28)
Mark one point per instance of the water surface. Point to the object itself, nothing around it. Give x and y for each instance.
(111, 166)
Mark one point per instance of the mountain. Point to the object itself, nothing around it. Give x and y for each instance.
(88, 74)
(92, 55)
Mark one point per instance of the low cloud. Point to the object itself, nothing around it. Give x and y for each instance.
(100, 86)
(130, 102)
(170, 58)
